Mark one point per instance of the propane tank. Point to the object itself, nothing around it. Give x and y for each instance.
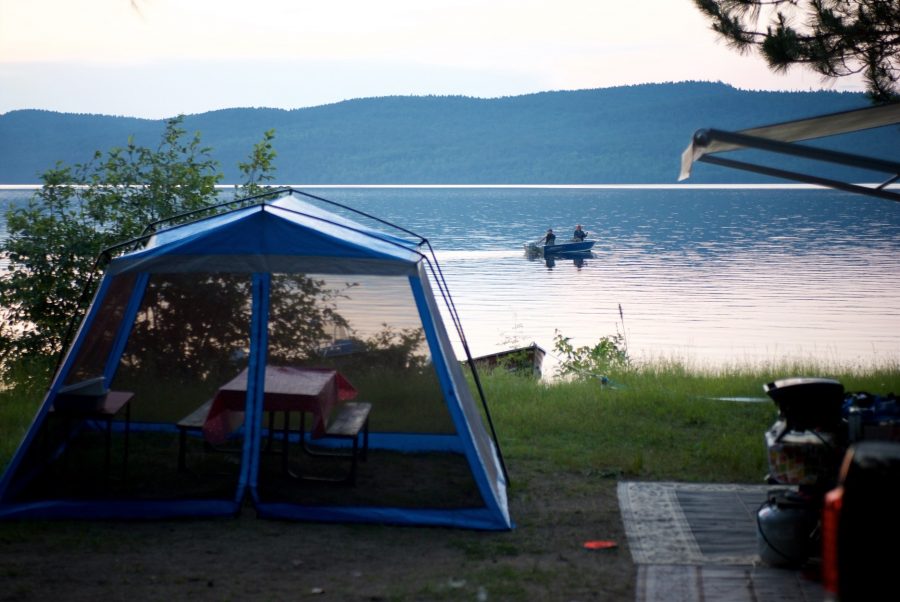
(786, 528)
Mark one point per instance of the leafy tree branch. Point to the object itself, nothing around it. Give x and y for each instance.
(53, 241)
(835, 38)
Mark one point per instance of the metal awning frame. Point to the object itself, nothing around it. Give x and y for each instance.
(779, 138)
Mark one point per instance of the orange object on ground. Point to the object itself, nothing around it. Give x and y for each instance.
(600, 544)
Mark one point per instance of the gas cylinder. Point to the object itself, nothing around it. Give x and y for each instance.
(787, 528)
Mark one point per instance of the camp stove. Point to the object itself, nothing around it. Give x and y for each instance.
(808, 439)
(804, 448)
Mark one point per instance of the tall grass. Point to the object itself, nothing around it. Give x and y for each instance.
(18, 406)
(662, 420)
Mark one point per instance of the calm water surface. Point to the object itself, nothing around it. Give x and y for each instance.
(708, 276)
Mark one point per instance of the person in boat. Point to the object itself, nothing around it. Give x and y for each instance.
(550, 237)
(579, 234)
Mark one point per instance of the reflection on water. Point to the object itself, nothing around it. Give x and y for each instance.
(712, 276)
(576, 259)
(746, 307)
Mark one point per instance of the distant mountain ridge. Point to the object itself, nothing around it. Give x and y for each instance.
(621, 135)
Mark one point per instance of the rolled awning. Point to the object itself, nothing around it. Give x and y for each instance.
(782, 138)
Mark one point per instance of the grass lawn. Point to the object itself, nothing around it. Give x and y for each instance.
(565, 444)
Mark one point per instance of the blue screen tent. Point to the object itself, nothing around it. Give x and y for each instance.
(279, 282)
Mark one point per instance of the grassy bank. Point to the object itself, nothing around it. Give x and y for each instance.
(659, 421)
(17, 410)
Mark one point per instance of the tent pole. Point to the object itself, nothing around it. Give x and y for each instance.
(487, 413)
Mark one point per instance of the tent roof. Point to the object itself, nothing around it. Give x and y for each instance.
(283, 234)
(782, 138)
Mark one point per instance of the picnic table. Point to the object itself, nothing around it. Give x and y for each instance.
(286, 389)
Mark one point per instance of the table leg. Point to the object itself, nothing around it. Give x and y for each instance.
(127, 433)
(182, 452)
(108, 446)
(286, 433)
(271, 437)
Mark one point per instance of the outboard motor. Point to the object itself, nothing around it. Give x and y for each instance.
(804, 447)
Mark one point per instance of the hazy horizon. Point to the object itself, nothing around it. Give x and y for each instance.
(107, 57)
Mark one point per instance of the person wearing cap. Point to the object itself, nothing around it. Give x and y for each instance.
(579, 234)
(550, 237)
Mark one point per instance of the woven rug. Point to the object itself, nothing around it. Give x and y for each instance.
(694, 541)
(691, 523)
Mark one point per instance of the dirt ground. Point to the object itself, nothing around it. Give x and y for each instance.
(248, 558)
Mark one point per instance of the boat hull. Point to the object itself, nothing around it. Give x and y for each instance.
(565, 247)
(522, 360)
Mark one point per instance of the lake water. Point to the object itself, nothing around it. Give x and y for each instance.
(708, 276)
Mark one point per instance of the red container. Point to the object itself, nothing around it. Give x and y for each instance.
(861, 525)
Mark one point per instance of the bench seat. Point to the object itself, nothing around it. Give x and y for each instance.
(192, 422)
(348, 421)
(352, 417)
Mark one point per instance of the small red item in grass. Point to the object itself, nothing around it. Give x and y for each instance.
(600, 544)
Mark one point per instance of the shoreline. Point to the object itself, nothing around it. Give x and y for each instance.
(657, 186)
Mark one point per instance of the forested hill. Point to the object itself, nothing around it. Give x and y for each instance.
(632, 134)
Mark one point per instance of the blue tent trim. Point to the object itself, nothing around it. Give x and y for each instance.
(474, 518)
(96, 509)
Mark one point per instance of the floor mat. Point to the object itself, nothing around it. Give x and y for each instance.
(680, 583)
(694, 542)
(691, 523)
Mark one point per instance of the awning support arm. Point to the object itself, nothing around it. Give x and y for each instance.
(888, 182)
(790, 175)
(705, 137)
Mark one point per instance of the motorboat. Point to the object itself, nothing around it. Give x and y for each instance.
(571, 246)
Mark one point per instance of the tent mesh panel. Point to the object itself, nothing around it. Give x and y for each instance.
(190, 335)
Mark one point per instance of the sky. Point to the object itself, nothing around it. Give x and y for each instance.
(160, 58)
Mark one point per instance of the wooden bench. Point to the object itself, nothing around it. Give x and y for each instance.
(349, 421)
(101, 408)
(192, 422)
